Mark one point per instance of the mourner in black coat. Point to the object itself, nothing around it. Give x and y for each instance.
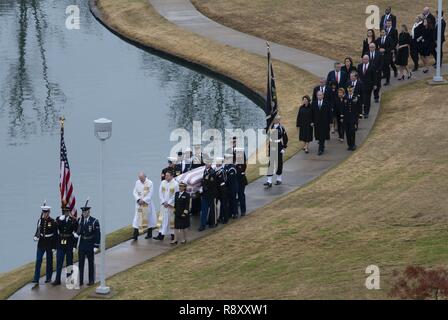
(388, 16)
(46, 236)
(324, 88)
(385, 45)
(304, 121)
(182, 205)
(376, 60)
(367, 75)
(337, 112)
(392, 33)
(322, 117)
(337, 76)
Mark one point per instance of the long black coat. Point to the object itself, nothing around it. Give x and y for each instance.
(368, 79)
(322, 118)
(303, 122)
(181, 210)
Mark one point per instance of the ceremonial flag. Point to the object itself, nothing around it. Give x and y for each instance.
(65, 185)
(271, 98)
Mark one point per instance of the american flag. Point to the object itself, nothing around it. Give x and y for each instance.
(271, 98)
(65, 184)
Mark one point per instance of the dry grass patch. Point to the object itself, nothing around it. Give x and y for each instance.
(386, 205)
(330, 28)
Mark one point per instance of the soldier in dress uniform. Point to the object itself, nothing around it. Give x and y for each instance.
(167, 191)
(231, 185)
(349, 117)
(89, 241)
(184, 163)
(196, 162)
(278, 142)
(45, 236)
(240, 162)
(221, 178)
(182, 206)
(67, 227)
(208, 194)
(172, 161)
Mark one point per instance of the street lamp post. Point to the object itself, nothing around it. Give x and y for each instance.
(103, 131)
(438, 77)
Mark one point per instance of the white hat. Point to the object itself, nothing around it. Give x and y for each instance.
(45, 208)
(239, 149)
(219, 159)
(188, 149)
(228, 155)
(172, 159)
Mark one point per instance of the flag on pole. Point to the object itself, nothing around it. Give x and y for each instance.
(65, 185)
(271, 98)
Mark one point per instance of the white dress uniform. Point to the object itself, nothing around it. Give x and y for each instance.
(167, 191)
(144, 191)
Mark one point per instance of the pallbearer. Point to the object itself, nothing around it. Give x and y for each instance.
(208, 194)
(89, 241)
(67, 227)
(240, 162)
(45, 236)
(231, 185)
(144, 206)
(167, 191)
(221, 178)
(172, 161)
(182, 206)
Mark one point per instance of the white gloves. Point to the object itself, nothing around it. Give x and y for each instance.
(95, 250)
(62, 218)
(36, 239)
(75, 235)
(283, 151)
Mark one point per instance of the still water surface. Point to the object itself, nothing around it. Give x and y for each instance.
(47, 71)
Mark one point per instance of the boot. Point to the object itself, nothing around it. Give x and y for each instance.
(135, 236)
(159, 237)
(149, 234)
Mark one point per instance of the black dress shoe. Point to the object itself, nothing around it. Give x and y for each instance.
(159, 237)
(366, 116)
(201, 229)
(90, 284)
(149, 234)
(81, 283)
(277, 183)
(48, 281)
(267, 185)
(387, 83)
(354, 148)
(56, 283)
(320, 153)
(35, 285)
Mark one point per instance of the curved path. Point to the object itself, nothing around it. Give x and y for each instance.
(298, 170)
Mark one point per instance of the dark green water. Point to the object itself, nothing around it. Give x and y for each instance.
(47, 71)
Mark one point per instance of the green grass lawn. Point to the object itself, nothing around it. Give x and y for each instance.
(386, 205)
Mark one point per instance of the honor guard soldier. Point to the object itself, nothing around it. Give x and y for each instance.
(349, 118)
(240, 162)
(185, 162)
(196, 162)
(182, 206)
(208, 194)
(171, 167)
(197, 159)
(45, 236)
(277, 147)
(231, 185)
(67, 227)
(89, 241)
(221, 179)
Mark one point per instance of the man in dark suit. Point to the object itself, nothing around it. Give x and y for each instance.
(388, 16)
(367, 74)
(434, 53)
(429, 16)
(322, 117)
(337, 76)
(393, 34)
(324, 88)
(376, 61)
(416, 36)
(357, 88)
(385, 45)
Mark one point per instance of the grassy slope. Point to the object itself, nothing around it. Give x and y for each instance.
(17, 278)
(340, 28)
(385, 205)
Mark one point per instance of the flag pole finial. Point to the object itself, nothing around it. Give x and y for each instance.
(62, 120)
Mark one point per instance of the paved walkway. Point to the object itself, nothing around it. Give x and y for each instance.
(299, 170)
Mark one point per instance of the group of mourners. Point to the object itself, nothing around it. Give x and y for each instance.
(344, 96)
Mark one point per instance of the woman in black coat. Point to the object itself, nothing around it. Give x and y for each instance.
(337, 111)
(348, 66)
(404, 44)
(181, 213)
(367, 41)
(427, 43)
(304, 121)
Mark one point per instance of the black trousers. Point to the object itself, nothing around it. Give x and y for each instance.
(231, 200)
(223, 212)
(386, 70)
(340, 126)
(89, 254)
(241, 194)
(414, 54)
(322, 145)
(367, 97)
(350, 132)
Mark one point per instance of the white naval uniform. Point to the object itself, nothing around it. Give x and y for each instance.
(144, 191)
(167, 191)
